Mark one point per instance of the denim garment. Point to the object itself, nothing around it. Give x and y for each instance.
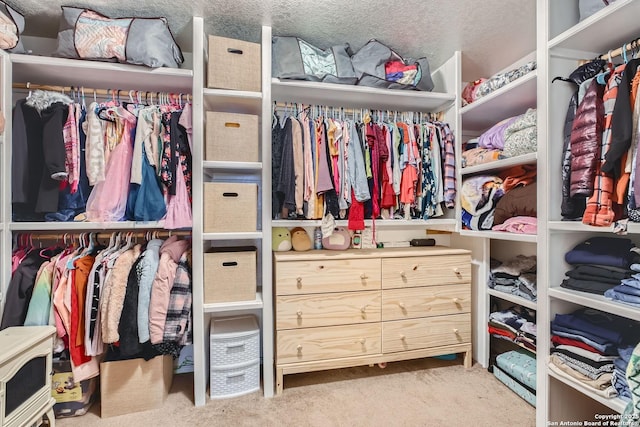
(594, 322)
(595, 338)
(622, 297)
(608, 251)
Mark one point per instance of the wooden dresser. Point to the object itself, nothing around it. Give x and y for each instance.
(336, 309)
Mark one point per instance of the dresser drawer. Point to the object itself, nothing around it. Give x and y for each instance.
(339, 308)
(415, 334)
(342, 275)
(426, 271)
(332, 342)
(409, 303)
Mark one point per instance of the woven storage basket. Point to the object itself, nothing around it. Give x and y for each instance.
(229, 275)
(233, 64)
(230, 207)
(232, 137)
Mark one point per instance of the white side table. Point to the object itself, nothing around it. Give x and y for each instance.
(25, 376)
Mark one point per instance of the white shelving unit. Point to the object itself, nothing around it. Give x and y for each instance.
(5, 185)
(475, 118)
(243, 102)
(562, 42)
(441, 99)
(120, 78)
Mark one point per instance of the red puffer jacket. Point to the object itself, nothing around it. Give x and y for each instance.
(586, 137)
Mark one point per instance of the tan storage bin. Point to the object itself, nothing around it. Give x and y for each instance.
(232, 137)
(230, 275)
(128, 386)
(230, 207)
(234, 64)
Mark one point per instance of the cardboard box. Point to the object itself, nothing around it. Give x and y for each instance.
(230, 275)
(230, 207)
(234, 64)
(73, 398)
(232, 137)
(128, 386)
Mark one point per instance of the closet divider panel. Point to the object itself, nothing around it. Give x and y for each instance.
(5, 184)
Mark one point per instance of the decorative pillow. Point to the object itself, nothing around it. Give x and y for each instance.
(86, 34)
(11, 26)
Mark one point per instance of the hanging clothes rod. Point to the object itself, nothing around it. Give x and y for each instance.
(112, 93)
(103, 235)
(338, 111)
(632, 45)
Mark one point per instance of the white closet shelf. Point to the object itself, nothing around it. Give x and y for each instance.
(569, 226)
(235, 101)
(101, 75)
(501, 235)
(435, 224)
(221, 307)
(515, 344)
(233, 236)
(595, 301)
(232, 166)
(619, 21)
(500, 164)
(63, 227)
(616, 403)
(508, 101)
(513, 298)
(350, 96)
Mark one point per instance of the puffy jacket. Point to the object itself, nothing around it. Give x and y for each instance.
(586, 137)
(572, 208)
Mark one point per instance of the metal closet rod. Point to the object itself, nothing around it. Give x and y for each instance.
(103, 235)
(113, 93)
(291, 106)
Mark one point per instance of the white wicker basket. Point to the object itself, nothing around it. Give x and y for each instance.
(235, 381)
(234, 341)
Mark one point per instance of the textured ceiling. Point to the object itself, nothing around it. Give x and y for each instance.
(491, 34)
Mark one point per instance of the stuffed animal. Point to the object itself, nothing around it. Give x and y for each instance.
(300, 240)
(280, 239)
(339, 240)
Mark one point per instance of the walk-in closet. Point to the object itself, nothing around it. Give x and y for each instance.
(285, 213)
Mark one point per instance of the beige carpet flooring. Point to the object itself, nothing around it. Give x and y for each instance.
(427, 392)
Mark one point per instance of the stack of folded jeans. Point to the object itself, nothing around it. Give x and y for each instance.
(515, 276)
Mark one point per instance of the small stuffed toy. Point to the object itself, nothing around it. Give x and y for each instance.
(339, 240)
(300, 240)
(280, 239)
